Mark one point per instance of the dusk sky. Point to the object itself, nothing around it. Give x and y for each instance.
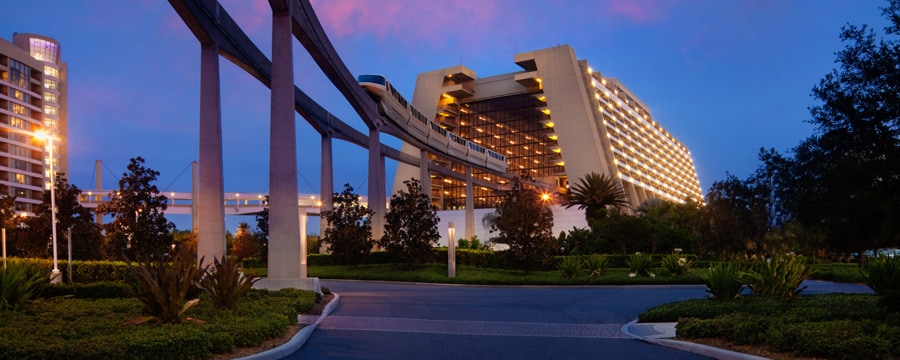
(724, 77)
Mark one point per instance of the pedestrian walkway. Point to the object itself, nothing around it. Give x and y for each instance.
(485, 328)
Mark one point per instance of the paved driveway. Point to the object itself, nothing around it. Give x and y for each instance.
(425, 321)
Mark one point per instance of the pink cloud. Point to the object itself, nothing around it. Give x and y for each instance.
(415, 21)
(640, 11)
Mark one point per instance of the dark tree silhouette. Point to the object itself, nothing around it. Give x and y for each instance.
(350, 236)
(139, 229)
(410, 228)
(525, 223)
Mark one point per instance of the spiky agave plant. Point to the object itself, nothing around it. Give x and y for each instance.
(20, 283)
(225, 283)
(163, 287)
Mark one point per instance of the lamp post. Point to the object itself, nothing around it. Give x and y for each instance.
(55, 277)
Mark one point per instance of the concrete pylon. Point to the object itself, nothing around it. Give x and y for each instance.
(284, 227)
(211, 192)
(377, 190)
(327, 183)
(470, 203)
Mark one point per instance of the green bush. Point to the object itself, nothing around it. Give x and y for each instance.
(693, 328)
(96, 290)
(596, 264)
(723, 282)
(676, 265)
(640, 264)
(570, 266)
(882, 275)
(780, 277)
(21, 283)
(838, 272)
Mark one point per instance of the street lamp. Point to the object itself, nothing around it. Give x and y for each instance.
(55, 277)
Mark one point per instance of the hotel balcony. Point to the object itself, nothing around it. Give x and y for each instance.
(528, 79)
(460, 90)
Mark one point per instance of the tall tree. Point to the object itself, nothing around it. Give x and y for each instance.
(87, 238)
(244, 245)
(845, 177)
(262, 233)
(671, 225)
(595, 194)
(410, 228)
(524, 222)
(734, 218)
(139, 229)
(350, 236)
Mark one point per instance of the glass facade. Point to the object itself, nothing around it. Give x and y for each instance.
(44, 50)
(646, 155)
(516, 126)
(30, 75)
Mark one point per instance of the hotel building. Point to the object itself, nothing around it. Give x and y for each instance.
(556, 120)
(33, 97)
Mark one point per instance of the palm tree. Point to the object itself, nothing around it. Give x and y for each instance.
(594, 193)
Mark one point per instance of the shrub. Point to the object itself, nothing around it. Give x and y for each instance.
(882, 275)
(640, 264)
(676, 265)
(693, 328)
(163, 287)
(570, 266)
(93, 291)
(780, 277)
(225, 283)
(723, 282)
(20, 284)
(596, 264)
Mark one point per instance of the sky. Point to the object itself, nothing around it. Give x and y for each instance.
(725, 77)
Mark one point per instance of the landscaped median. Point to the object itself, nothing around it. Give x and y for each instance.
(66, 327)
(777, 318)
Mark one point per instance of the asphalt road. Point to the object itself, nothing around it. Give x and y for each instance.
(426, 321)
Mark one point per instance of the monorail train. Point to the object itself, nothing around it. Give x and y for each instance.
(404, 115)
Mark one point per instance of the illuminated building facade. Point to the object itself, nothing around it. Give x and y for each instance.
(556, 120)
(33, 97)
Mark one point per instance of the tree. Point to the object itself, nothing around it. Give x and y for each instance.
(262, 233)
(34, 237)
(139, 229)
(525, 223)
(671, 225)
(628, 233)
(410, 228)
(87, 239)
(735, 218)
(595, 193)
(843, 178)
(349, 238)
(244, 245)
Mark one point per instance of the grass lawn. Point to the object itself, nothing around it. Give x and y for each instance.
(437, 273)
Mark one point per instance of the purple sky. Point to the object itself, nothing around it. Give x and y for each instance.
(724, 77)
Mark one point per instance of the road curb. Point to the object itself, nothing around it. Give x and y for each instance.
(299, 339)
(699, 349)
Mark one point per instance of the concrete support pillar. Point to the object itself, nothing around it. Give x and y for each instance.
(377, 190)
(211, 202)
(284, 229)
(303, 241)
(195, 199)
(327, 183)
(470, 204)
(425, 173)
